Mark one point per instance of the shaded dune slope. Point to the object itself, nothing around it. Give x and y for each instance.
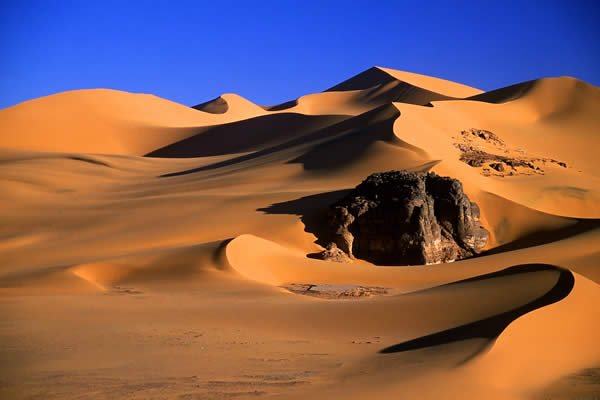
(248, 135)
(549, 97)
(363, 99)
(505, 94)
(380, 76)
(333, 146)
(234, 106)
(492, 327)
(281, 150)
(215, 106)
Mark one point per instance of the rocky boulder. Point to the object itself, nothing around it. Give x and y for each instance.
(406, 218)
(332, 253)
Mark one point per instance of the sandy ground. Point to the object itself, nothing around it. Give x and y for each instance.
(150, 250)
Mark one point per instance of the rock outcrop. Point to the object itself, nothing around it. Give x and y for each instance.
(406, 218)
(332, 253)
(486, 150)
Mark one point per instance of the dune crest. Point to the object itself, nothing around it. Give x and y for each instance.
(549, 97)
(380, 76)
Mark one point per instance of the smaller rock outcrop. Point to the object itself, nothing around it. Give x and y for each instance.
(406, 218)
(487, 136)
(332, 253)
(486, 150)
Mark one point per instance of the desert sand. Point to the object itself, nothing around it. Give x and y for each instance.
(154, 250)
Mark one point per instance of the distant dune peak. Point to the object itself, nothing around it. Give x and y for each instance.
(232, 105)
(380, 76)
(365, 80)
(367, 90)
(547, 97)
(214, 106)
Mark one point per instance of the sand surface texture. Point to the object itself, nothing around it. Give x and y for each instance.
(150, 250)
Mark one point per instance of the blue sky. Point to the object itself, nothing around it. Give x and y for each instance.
(273, 51)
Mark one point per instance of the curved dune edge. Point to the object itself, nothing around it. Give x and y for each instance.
(434, 84)
(252, 134)
(531, 352)
(233, 104)
(354, 102)
(381, 76)
(550, 342)
(513, 225)
(215, 106)
(373, 88)
(181, 265)
(547, 97)
(525, 336)
(490, 328)
(269, 263)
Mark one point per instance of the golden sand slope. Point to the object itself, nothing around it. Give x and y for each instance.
(168, 275)
(106, 121)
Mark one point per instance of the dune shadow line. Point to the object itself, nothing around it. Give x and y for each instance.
(541, 237)
(312, 211)
(490, 328)
(346, 126)
(246, 135)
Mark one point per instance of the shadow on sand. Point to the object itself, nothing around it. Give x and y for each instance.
(490, 328)
(358, 131)
(312, 211)
(540, 237)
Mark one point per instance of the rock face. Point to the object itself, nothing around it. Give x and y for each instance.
(407, 218)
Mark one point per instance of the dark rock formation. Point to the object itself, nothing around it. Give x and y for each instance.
(407, 218)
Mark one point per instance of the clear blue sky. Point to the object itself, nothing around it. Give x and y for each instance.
(273, 51)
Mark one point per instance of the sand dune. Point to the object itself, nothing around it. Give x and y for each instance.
(154, 250)
(252, 134)
(374, 88)
(442, 86)
(105, 121)
(549, 97)
(381, 76)
(214, 106)
(356, 102)
(233, 105)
